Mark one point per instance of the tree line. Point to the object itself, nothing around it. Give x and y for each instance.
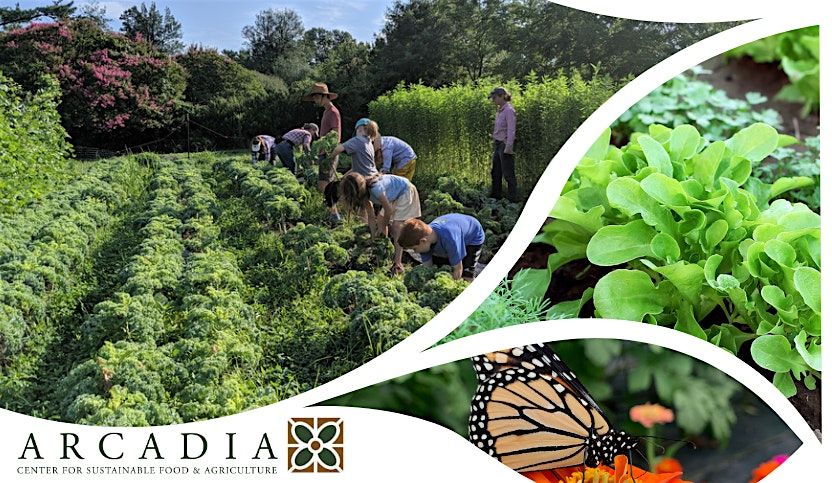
(151, 79)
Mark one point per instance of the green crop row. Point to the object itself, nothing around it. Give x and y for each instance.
(45, 246)
(178, 342)
(450, 127)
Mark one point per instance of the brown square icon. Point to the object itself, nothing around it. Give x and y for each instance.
(316, 445)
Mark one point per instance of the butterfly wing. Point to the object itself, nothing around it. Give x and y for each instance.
(531, 412)
(533, 357)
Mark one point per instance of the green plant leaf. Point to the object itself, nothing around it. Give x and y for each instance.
(773, 352)
(807, 283)
(628, 295)
(656, 155)
(665, 247)
(706, 163)
(569, 309)
(684, 142)
(755, 142)
(599, 148)
(627, 195)
(811, 354)
(785, 384)
(531, 283)
(687, 323)
(614, 244)
(665, 190)
(715, 233)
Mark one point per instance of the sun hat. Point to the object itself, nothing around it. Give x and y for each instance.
(255, 145)
(320, 88)
(362, 122)
(498, 91)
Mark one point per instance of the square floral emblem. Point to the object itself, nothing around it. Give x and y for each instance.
(316, 445)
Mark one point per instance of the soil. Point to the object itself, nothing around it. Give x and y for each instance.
(738, 76)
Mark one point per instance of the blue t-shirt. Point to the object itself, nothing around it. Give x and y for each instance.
(455, 231)
(395, 153)
(389, 185)
(363, 155)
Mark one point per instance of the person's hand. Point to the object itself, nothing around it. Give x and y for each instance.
(397, 269)
(508, 151)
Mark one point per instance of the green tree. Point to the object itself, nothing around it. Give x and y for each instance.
(162, 31)
(478, 27)
(275, 44)
(11, 17)
(414, 45)
(321, 42)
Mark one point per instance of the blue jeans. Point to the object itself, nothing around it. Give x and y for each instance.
(286, 153)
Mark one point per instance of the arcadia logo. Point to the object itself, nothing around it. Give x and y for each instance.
(316, 445)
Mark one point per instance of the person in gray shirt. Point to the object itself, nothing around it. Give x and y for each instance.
(360, 147)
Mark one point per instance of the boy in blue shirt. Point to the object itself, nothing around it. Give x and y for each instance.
(453, 239)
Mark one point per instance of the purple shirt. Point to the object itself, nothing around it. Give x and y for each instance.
(269, 142)
(505, 125)
(299, 137)
(395, 153)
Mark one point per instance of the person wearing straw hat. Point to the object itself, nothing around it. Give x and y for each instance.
(262, 146)
(330, 121)
(502, 160)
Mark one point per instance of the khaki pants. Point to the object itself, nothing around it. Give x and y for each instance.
(407, 171)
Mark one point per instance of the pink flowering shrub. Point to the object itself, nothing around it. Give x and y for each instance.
(111, 85)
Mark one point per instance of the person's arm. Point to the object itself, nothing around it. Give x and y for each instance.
(338, 150)
(307, 142)
(371, 218)
(511, 125)
(456, 254)
(398, 250)
(336, 126)
(389, 211)
(387, 160)
(457, 271)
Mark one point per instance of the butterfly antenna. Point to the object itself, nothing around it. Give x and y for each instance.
(685, 441)
(642, 456)
(631, 472)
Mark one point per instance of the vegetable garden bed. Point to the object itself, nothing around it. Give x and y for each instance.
(159, 290)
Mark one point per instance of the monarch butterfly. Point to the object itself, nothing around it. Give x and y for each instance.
(532, 413)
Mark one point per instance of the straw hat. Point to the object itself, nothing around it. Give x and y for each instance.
(320, 88)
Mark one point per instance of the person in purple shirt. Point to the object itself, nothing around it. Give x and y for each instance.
(397, 157)
(502, 160)
(262, 147)
(453, 239)
(301, 138)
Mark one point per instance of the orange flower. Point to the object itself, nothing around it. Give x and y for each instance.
(622, 472)
(668, 465)
(649, 414)
(766, 468)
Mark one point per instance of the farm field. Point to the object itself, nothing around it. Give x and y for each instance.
(160, 289)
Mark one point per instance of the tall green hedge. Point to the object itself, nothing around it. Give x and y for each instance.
(450, 127)
(33, 145)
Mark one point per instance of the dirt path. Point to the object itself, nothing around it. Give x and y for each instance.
(739, 76)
